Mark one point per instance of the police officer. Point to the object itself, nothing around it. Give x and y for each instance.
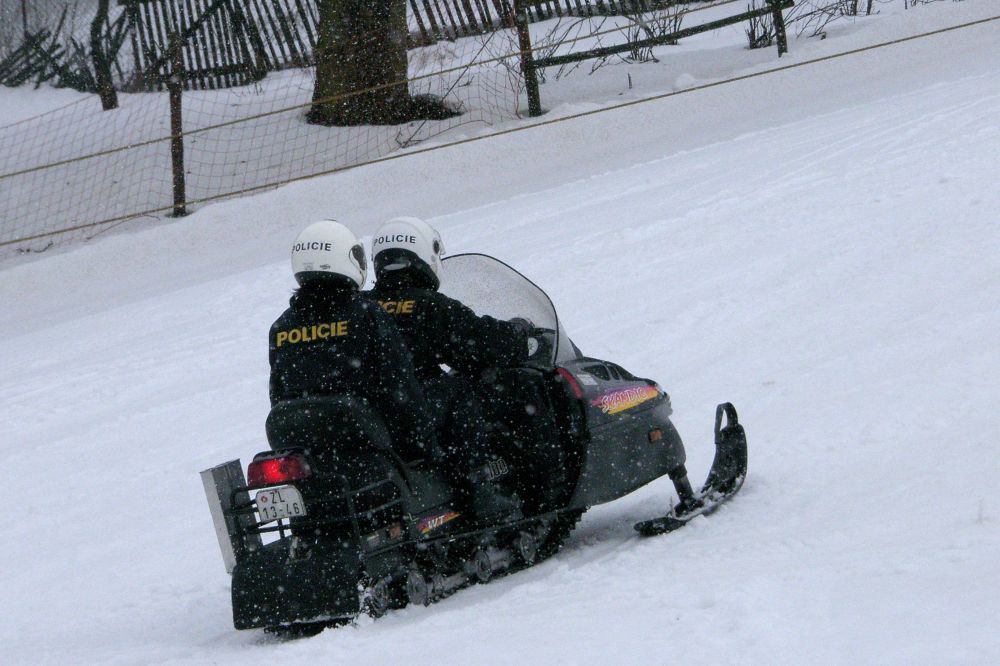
(332, 341)
(440, 330)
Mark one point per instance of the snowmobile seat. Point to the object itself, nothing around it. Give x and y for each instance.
(329, 426)
(320, 420)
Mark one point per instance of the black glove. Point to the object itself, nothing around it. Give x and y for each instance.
(524, 324)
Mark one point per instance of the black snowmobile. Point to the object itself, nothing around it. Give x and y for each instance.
(331, 523)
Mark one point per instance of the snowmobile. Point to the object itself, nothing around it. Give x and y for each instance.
(330, 522)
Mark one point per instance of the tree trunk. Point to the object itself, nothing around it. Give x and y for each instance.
(362, 45)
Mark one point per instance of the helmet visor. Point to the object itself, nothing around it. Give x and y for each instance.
(358, 253)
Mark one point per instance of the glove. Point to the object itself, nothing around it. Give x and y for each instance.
(525, 325)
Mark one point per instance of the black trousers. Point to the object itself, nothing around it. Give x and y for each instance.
(461, 426)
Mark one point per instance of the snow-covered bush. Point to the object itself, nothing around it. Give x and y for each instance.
(760, 29)
(651, 25)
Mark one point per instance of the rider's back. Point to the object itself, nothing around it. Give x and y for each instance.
(318, 345)
(335, 342)
(441, 330)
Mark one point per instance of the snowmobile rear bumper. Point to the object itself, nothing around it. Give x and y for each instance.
(289, 581)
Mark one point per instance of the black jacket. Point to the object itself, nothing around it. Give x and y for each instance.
(439, 329)
(336, 342)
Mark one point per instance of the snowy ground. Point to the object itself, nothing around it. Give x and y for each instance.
(818, 247)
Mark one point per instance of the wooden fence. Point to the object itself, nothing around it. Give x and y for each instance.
(31, 60)
(221, 47)
(234, 42)
(66, 62)
(530, 64)
(543, 10)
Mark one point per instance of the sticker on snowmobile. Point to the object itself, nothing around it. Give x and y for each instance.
(433, 522)
(585, 378)
(383, 536)
(619, 400)
(496, 468)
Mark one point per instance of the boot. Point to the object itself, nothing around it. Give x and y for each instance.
(491, 504)
(686, 507)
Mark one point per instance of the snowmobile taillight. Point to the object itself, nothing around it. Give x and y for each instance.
(275, 471)
(571, 380)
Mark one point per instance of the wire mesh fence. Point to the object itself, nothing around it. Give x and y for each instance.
(18, 17)
(66, 175)
(227, 42)
(114, 167)
(77, 171)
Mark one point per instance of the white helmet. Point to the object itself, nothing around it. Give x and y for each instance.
(326, 249)
(408, 243)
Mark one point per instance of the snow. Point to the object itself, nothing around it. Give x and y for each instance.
(817, 246)
(25, 102)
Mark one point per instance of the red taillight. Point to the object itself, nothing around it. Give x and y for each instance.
(571, 380)
(273, 471)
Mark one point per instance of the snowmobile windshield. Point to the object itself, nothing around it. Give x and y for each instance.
(491, 287)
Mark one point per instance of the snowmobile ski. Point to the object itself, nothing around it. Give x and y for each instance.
(729, 470)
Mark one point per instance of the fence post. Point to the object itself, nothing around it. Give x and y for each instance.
(175, 85)
(527, 58)
(779, 27)
(24, 17)
(102, 67)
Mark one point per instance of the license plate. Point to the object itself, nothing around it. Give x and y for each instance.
(280, 502)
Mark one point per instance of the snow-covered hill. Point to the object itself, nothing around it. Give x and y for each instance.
(818, 246)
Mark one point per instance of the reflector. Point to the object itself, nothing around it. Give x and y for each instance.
(571, 380)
